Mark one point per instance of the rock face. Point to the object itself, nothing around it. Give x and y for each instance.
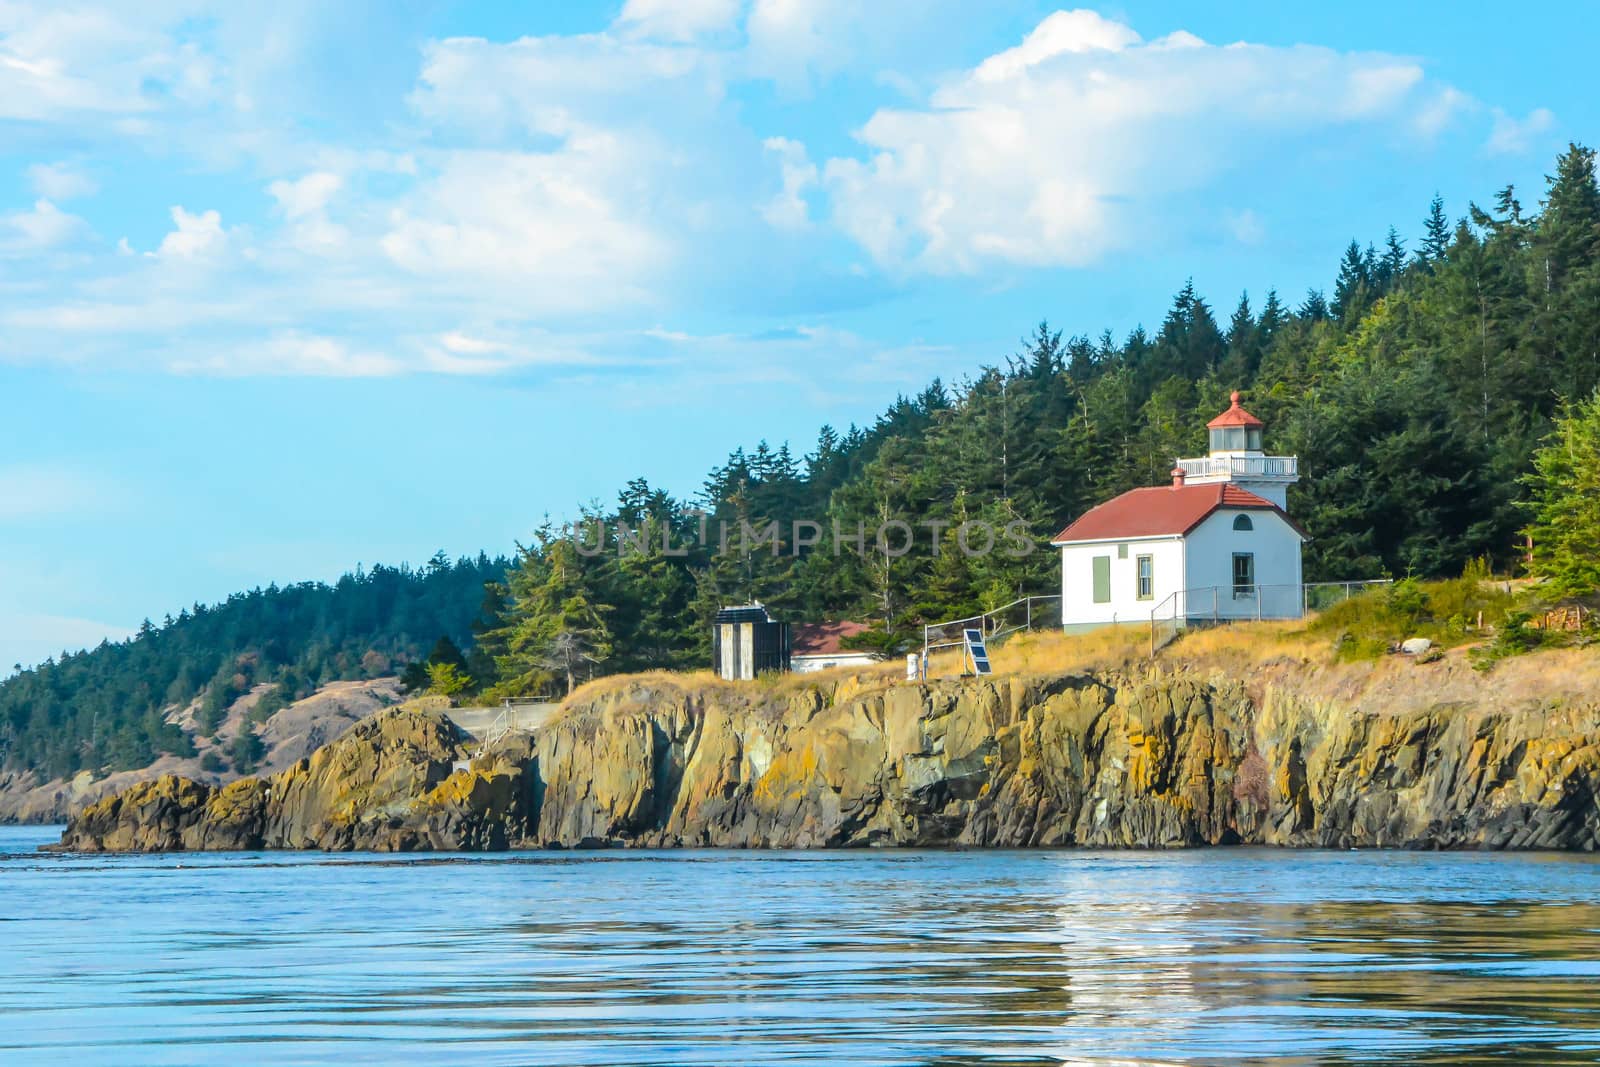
(386, 784)
(1151, 760)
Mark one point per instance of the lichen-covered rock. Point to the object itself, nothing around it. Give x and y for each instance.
(1151, 760)
(387, 784)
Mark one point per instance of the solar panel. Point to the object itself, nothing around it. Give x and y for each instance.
(978, 651)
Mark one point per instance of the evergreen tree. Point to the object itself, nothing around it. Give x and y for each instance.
(1315, 307)
(1273, 316)
(1565, 531)
(1435, 234)
(1351, 288)
(1392, 263)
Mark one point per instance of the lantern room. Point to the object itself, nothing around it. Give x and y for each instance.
(1235, 430)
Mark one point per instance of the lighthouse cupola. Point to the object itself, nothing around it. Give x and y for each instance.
(1236, 455)
(1235, 431)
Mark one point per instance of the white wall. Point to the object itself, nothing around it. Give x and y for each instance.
(1077, 580)
(806, 664)
(1209, 562)
(1275, 491)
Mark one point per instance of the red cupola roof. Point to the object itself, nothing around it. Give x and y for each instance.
(1235, 416)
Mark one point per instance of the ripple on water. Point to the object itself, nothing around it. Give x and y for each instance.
(881, 957)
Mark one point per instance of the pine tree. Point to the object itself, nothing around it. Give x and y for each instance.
(1315, 306)
(1350, 290)
(1272, 318)
(1570, 227)
(1392, 263)
(1244, 350)
(1435, 234)
(1565, 484)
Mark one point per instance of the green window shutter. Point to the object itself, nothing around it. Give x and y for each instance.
(1102, 579)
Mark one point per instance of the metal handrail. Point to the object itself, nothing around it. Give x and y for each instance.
(1242, 466)
(991, 623)
(1177, 608)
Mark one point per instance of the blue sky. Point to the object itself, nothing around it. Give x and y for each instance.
(288, 289)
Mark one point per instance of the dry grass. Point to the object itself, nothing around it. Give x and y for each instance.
(615, 683)
(1112, 648)
(836, 679)
(1249, 644)
(1268, 652)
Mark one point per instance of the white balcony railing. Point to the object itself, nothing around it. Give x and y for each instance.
(1241, 467)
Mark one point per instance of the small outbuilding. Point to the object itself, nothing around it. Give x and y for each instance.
(818, 646)
(747, 641)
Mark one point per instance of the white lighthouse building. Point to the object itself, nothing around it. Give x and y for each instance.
(1218, 543)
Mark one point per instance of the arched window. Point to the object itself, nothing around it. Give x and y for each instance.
(1243, 522)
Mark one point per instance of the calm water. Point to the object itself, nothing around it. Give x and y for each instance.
(734, 958)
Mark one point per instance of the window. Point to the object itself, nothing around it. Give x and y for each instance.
(1243, 522)
(1147, 577)
(1102, 579)
(1122, 551)
(1244, 575)
(1255, 439)
(1229, 439)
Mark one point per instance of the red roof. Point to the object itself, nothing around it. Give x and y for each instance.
(1163, 511)
(822, 638)
(1235, 416)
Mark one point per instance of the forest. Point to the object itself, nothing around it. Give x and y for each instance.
(1417, 390)
(105, 708)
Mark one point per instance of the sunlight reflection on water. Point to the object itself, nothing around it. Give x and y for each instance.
(866, 957)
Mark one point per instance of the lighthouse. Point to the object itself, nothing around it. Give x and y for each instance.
(1217, 543)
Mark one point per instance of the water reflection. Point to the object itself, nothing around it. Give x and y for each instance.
(1067, 958)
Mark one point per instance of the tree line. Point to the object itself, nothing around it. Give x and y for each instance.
(106, 708)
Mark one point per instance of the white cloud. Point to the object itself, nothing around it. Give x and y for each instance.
(306, 196)
(547, 85)
(545, 226)
(1063, 33)
(293, 354)
(677, 20)
(788, 210)
(459, 352)
(58, 181)
(39, 229)
(195, 236)
(1037, 155)
(304, 203)
(626, 158)
(1512, 136)
(60, 62)
(1439, 109)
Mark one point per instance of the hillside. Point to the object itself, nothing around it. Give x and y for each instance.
(1416, 391)
(286, 735)
(175, 690)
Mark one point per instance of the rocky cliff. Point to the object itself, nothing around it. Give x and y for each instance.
(1134, 759)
